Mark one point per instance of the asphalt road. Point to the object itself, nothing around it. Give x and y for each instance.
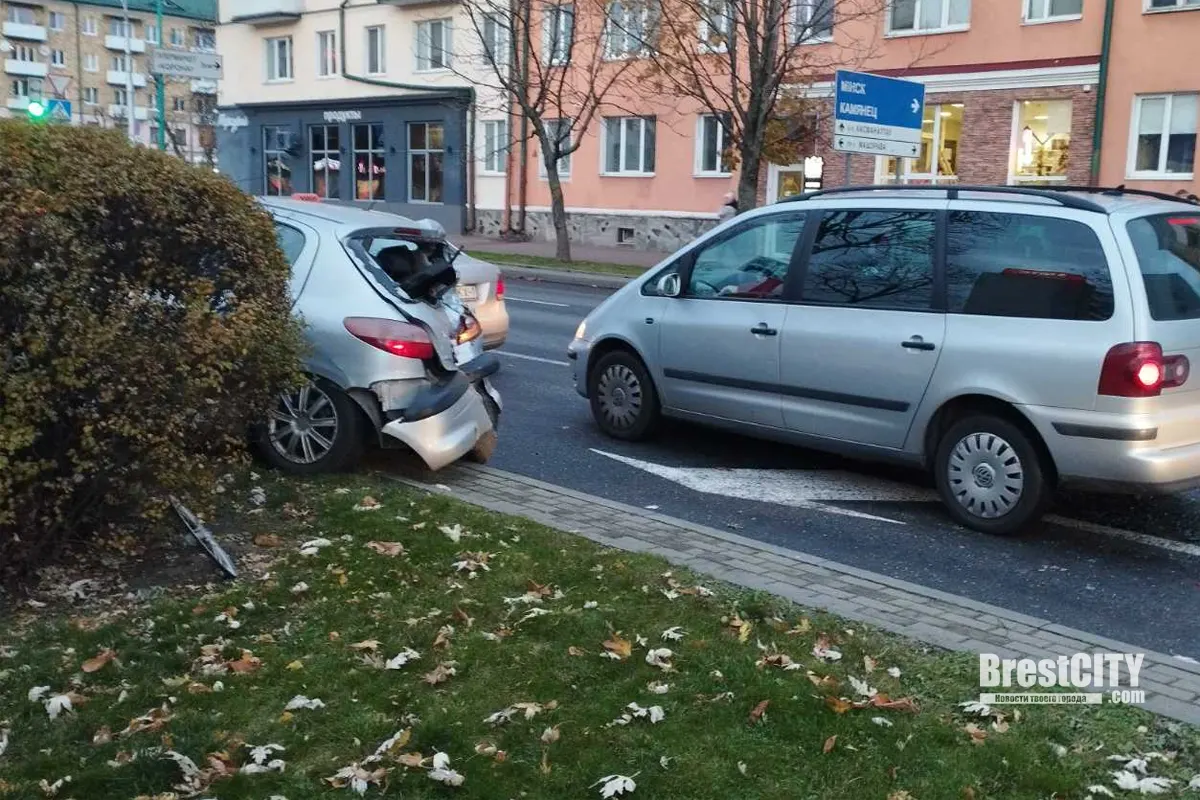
(1072, 573)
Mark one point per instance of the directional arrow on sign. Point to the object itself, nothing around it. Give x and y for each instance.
(915, 106)
(809, 489)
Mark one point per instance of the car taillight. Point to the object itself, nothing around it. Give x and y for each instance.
(1139, 369)
(468, 329)
(499, 287)
(402, 339)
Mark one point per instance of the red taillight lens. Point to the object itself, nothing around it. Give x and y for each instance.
(398, 338)
(468, 329)
(1139, 369)
(499, 287)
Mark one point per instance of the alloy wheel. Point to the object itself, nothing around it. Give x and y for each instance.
(304, 425)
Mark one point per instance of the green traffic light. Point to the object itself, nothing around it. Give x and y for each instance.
(36, 109)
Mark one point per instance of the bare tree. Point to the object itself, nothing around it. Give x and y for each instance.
(748, 62)
(545, 60)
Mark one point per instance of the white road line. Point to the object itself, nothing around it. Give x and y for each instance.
(1121, 533)
(510, 298)
(533, 358)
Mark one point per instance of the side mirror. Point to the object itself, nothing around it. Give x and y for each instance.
(670, 285)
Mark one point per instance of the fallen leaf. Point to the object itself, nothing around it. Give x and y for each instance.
(900, 795)
(153, 720)
(978, 735)
(403, 657)
(741, 767)
(97, 662)
(247, 663)
(829, 744)
(551, 735)
(391, 549)
(968, 793)
(368, 503)
(614, 785)
(906, 704)
(296, 665)
(757, 713)
(822, 681)
(452, 532)
(102, 736)
(869, 664)
(366, 644)
(440, 674)
(300, 701)
(268, 540)
(801, 627)
(741, 628)
(660, 657)
(575, 651)
(621, 648)
(893, 671)
(673, 634)
(839, 705)
(882, 722)
(824, 651)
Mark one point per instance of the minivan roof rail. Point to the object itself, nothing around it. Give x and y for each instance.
(1117, 191)
(1065, 200)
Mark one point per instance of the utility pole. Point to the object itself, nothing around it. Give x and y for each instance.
(130, 122)
(161, 81)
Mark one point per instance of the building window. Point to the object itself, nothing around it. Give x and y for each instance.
(1164, 5)
(58, 58)
(89, 26)
(812, 21)
(177, 37)
(558, 33)
(559, 131)
(122, 63)
(24, 52)
(58, 20)
(433, 45)
(376, 60)
(327, 53)
(326, 154)
(18, 87)
(277, 161)
(495, 145)
(120, 98)
(627, 29)
(937, 161)
(91, 62)
(118, 26)
(1164, 144)
(716, 23)
(179, 104)
(370, 168)
(152, 34)
(628, 145)
(204, 39)
(91, 96)
(495, 39)
(712, 144)
(1043, 141)
(1052, 10)
(927, 16)
(426, 143)
(279, 59)
(22, 15)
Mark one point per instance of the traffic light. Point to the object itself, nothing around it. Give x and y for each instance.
(36, 109)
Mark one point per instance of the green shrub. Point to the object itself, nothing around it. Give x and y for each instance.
(144, 323)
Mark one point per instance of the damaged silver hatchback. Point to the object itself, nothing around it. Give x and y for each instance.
(395, 359)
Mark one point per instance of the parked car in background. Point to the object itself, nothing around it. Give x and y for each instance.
(1009, 340)
(392, 363)
(481, 288)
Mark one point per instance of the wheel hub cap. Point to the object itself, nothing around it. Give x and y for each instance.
(620, 396)
(985, 475)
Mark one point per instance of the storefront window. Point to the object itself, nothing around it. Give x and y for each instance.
(326, 160)
(277, 160)
(1043, 141)
(941, 131)
(370, 168)
(426, 148)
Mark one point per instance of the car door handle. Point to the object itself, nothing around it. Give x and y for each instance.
(761, 329)
(917, 343)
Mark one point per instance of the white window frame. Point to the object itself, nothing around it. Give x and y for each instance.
(89, 26)
(119, 26)
(378, 49)
(623, 171)
(718, 9)
(802, 14)
(903, 176)
(1160, 174)
(120, 98)
(152, 34)
(208, 33)
(558, 34)
(428, 153)
(495, 159)
(275, 44)
(424, 48)
(119, 62)
(1015, 142)
(698, 170)
(25, 53)
(14, 15)
(179, 104)
(563, 167)
(944, 27)
(178, 37)
(58, 58)
(1029, 16)
(60, 17)
(641, 8)
(91, 62)
(497, 45)
(327, 54)
(1180, 5)
(91, 96)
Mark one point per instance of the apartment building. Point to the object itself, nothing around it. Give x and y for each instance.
(89, 51)
(382, 102)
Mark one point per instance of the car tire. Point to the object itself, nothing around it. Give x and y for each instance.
(316, 429)
(990, 475)
(623, 398)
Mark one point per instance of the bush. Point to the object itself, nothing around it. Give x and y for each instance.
(144, 324)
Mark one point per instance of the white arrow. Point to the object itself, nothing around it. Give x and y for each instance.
(916, 106)
(795, 488)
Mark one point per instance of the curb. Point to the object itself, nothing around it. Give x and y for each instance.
(596, 280)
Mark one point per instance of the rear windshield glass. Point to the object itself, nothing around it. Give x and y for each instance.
(1168, 251)
(421, 268)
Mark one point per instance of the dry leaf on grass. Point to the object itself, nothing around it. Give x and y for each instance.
(441, 673)
(247, 663)
(268, 540)
(618, 648)
(403, 657)
(830, 743)
(978, 735)
(366, 644)
(824, 651)
(869, 664)
(780, 660)
(838, 705)
(153, 720)
(300, 701)
(615, 785)
(660, 657)
(741, 628)
(368, 503)
(551, 735)
(575, 651)
(356, 778)
(390, 549)
(759, 712)
(99, 661)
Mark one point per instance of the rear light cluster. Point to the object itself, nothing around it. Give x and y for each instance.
(1139, 369)
(468, 329)
(499, 287)
(402, 339)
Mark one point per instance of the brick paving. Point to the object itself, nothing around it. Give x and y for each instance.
(1172, 685)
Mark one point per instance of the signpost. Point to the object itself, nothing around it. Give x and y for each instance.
(877, 115)
(58, 110)
(180, 64)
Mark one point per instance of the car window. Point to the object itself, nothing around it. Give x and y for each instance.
(1021, 265)
(751, 262)
(1168, 251)
(879, 259)
(291, 242)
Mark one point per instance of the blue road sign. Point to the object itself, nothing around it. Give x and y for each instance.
(874, 114)
(58, 110)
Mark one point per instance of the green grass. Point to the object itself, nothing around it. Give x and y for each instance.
(356, 594)
(543, 262)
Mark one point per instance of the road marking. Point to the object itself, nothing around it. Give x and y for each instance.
(509, 297)
(1121, 533)
(533, 358)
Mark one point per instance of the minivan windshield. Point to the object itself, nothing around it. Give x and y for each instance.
(1168, 251)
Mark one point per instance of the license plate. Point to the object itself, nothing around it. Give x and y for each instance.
(468, 293)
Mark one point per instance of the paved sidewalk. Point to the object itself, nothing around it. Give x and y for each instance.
(579, 252)
(1172, 685)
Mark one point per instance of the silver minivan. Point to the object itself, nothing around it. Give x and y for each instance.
(1009, 340)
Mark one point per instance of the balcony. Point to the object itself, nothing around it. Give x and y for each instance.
(28, 69)
(140, 113)
(23, 30)
(268, 12)
(18, 103)
(204, 87)
(117, 77)
(118, 43)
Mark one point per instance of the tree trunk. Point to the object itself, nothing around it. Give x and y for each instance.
(558, 213)
(747, 188)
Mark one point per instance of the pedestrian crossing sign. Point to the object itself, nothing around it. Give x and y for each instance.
(58, 110)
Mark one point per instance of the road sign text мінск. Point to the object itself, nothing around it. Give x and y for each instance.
(877, 115)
